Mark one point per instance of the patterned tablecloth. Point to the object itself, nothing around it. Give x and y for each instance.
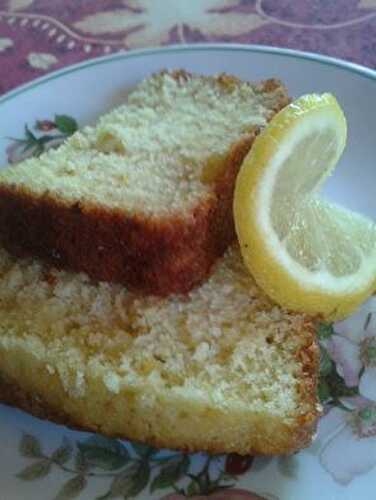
(38, 36)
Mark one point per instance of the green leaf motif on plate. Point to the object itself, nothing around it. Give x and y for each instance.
(30, 447)
(338, 388)
(66, 124)
(30, 136)
(193, 489)
(130, 482)
(36, 470)
(34, 144)
(170, 473)
(63, 454)
(323, 391)
(331, 386)
(326, 364)
(324, 331)
(126, 473)
(104, 453)
(141, 479)
(72, 488)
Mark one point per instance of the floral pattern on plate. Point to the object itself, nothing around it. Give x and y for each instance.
(127, 469)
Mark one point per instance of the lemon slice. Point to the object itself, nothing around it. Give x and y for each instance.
(306, 253)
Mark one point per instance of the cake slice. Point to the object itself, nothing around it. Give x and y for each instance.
(144, 198)
(220, 369)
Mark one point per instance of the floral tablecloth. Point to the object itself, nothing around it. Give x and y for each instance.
(38, 36)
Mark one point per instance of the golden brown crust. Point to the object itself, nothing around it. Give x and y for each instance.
(308, 356)
(150, 255)
(13, 395)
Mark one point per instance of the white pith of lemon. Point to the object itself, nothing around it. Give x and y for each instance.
(306, 253)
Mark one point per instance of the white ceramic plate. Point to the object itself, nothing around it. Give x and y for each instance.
(339, 465)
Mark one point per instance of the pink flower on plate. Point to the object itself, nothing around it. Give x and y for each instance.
(349, 433)
(349, 440)
(353, 349)
(226, 494)
(45, 125)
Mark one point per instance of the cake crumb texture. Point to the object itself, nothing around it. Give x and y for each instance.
(221, 369)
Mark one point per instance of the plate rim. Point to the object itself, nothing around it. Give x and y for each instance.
(352, 67)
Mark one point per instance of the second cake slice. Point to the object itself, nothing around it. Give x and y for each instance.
(145, 197)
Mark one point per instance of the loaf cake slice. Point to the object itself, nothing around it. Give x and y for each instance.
(144, 198)
(221, 369)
